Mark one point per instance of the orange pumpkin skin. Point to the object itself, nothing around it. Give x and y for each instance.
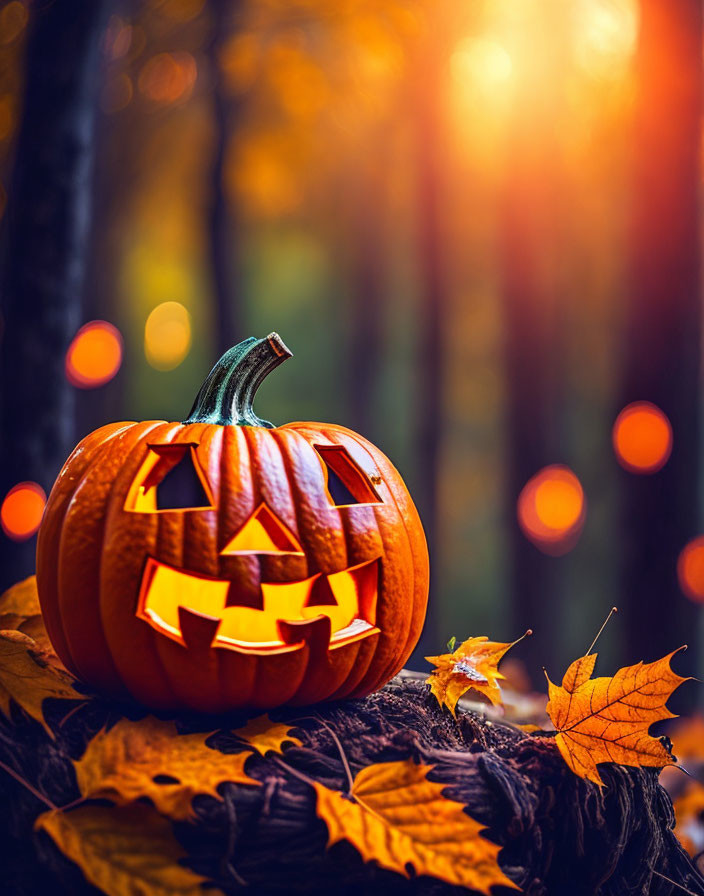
(92, 552)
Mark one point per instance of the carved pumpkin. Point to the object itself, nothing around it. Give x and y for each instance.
(223, 562)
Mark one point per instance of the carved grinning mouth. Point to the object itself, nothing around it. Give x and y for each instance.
(188, 607)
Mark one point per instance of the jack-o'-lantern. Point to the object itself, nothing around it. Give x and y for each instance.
(223, 562)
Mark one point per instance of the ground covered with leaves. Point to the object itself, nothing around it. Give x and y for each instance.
(402, 792)
(559, 833)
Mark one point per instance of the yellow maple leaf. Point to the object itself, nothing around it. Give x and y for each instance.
(607, 719)
(28, 678)
(264, 735)
(399, 817)
(473, 665)
(124, 851)
(121, 764)
(21, 599)
(689, 815)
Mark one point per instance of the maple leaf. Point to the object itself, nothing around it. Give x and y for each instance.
(21, 599)
(689, 815)
(607, 719)
(121, 764)
(399, 817)
(264, 735)
(124, 851)
(472, 665)
(28, 678)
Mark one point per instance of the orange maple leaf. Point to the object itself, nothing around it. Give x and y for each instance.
(472, 665)
(124, 764)
(264, 736)
(399, 817)
(607, 719)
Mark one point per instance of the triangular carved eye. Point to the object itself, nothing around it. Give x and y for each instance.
(263, 533)
(345, 481)
(170, 478)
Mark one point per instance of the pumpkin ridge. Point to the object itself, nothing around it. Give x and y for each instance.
(110, 669)
(50, 610)
(355, 673)
(296, 493)
(118, 499)
(391, 665)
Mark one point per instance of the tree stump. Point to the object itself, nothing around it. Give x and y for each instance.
(560, 834)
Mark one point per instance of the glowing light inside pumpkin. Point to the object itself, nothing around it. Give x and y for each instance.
(642, 438)
(690, 569)
(167, 335)
(552, 509)
(347, 598)
(95, 355)
(22, 509)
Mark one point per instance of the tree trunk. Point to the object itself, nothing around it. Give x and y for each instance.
(433, 302)
(47, 219)
(229, 323)
(662, 326)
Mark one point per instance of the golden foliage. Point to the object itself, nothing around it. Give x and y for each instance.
(473, 665)
(124, 851)
(122, 763)
(607, 719)
(28, 677)
(399, 817)
(264, 735)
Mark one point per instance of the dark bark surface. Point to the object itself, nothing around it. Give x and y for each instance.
(44, 258)
(561, 835)
(662, 327)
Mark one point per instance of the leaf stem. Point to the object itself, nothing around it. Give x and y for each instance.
(591, 646)
(30, 788)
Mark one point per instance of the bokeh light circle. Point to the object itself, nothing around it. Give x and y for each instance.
(21, 511)
(167, 335)
(642, 438)
(551, 509)
(95, 355)
(690, 569)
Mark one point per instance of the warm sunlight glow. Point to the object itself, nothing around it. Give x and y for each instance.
(94, 356)
(690, 570)
(642, 438)
(13, 18)
(167, 335)
(605, 33)
(552, 509)
(480, 62)
(22, 509)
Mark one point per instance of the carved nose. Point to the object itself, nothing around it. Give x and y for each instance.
(263, 533)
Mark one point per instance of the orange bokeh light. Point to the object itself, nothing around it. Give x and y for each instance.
(22, 509)
(690, 569)
(552, 509)
(642, 438)
(95, 355)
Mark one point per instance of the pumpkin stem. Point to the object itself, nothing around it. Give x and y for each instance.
(226, 396)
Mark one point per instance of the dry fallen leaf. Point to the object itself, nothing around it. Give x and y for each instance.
(607, 719)
(21, 599)
(27, 677)
(124, 851)
(121, 764)
(264, 735)
(689, 815)
(472, 665)
(399, 818)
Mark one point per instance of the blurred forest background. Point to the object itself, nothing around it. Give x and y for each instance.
(476, 224)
